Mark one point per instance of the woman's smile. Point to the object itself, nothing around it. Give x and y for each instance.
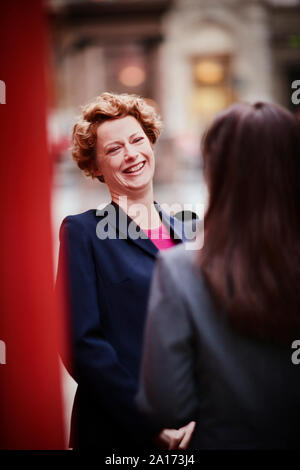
(135, 169)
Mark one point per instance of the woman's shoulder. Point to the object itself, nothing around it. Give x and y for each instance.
(181, 256)
(84, 219)
(79, 224)
(81, 217)
(181, 271)
(181, 263)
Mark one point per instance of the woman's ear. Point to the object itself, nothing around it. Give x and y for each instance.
(97, 172)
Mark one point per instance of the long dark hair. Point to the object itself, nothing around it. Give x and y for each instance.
(251, 253)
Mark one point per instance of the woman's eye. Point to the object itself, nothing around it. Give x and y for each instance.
(138, 139)
(114, 149)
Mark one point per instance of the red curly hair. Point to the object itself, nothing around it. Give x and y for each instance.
(104, 107)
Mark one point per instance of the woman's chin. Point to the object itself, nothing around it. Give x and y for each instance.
(138, 185)
(138, 182)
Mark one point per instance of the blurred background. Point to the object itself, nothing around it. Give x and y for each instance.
(189, 58)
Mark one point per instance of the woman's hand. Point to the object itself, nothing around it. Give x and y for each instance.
(171, 439)
(188, 430)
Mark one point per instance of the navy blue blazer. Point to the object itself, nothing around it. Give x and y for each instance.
(108, 282)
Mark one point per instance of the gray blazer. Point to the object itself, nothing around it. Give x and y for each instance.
(242, 392)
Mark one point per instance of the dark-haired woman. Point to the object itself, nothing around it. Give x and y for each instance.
(225, 319)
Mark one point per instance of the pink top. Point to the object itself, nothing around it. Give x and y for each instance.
(160, 237)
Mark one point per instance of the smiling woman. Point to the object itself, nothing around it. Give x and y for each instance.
(109, 107)
(124, 155)
(108, 278)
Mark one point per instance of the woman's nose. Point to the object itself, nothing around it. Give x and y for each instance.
(130, 151)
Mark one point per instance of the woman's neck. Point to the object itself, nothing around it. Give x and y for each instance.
(140, 208)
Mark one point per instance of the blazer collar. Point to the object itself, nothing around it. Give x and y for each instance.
(124, 227)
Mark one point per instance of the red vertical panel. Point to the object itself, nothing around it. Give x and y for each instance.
(30, 389)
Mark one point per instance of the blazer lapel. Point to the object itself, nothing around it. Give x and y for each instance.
(125, 228)
(174, 225)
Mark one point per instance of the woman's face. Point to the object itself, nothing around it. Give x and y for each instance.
(124, 155)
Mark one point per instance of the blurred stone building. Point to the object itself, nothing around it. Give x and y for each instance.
(190, 58)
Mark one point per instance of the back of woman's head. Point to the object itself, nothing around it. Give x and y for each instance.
(251, 253)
